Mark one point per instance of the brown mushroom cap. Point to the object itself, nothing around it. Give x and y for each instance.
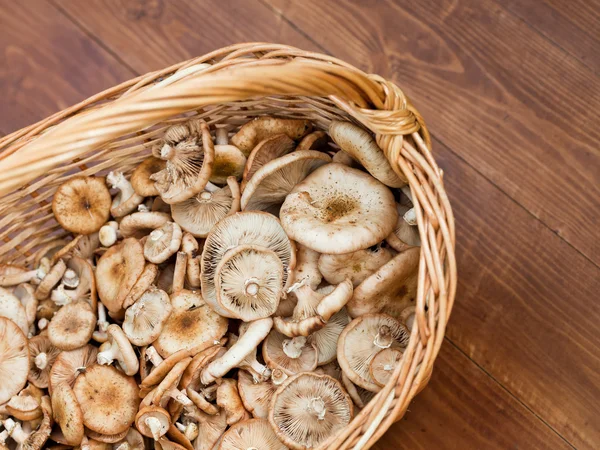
(255, 396)
(145, 319)
(251, 133)
(317, 140)
(82, 204)
(108, 398)
(118, 347)
(249, 434)
(383, 364)
(163, 243)
(51, 279)
(139, 224)
(42, 355)
(153, 421)
(72, 326)
(229, 162)
(12, 309)
(143, 283)
(404, 235)
(105, 438)
(290, 355)
(210, 429)
(14, 359)
(266, 150)
(67, 414)
(140, 178)
(308, 408)
(337, 209)
(228, 398)
(68, 365)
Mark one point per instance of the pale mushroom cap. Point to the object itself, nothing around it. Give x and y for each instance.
(307, 270)
(275, 356)
(126, 355)
(228, 398)
(139, 224)
(255, 396)
(82, 204)
(67, 414)
(42, 355)
(383, 364)
(337, 209)
(156, 414)
(404, 235)
(251, 133)
(163, 243)
(308, 408)
(251, 434)
(72, 326)
(325, 340)
(364, 338)
(108, 398)
(357, 265)
(68, 365)
(210, 430)
(266, 150)
(229, 162)
(145, 319)
(140, 178)
(12, 309)
(270, 184)
(105, 438)
(14, 359)
(143, 283)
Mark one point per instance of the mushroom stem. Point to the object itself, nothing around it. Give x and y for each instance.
(118, 181)
(252, 286)
(109, 355)
(317, 407)
(3, 437)
(221, 136)
(335, 301)
(102, 322)
(167, 152)
(153, 356)
(62, 296)
(260, 372)
(70, 279)
(190, 430)
(41, 360)
(384, 337)
(293, 347)
(410, 217)
(154, 426)
(179, 272)
(18, 278)
(15, 431)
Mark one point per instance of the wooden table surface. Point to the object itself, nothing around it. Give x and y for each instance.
(511, 92)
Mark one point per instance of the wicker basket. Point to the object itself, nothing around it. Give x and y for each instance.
(230, 86)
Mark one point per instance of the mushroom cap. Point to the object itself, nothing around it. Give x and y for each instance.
(229, 162)
(255, 396)
(210, 430)
(68, 365)
(26, 295)
(143, 283)
(251, 133)
(162, 420)
(86, 289)
(359, 144)
(253, 228)
(117, 272)
(126, 355)
(140, 178)
(308, 408)
(191, 326)
(361, 397)
(383, 364)
(357, 265)
(274, 353)
(269, 186)
(82, 204)
(163, 243)
(134, 439)
(249, 282)
(317, 140)
(39, 366)
(337, 209)
(72, 326)
(108, 399)
(307, 269)
(145, 319)
(105, 438)
(332, 369)
(389, 290)
(51, 279)
(228, 398)
(407, 317)
(191, 376)
(364, 338)
(325, 340)
(14, 359)
(404, 235)
(126, 200)
(267, 150)
(138, 224)
(67, 414)
(13, 309)
(252, 433)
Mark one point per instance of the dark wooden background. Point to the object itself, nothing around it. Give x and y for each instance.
(511, 93)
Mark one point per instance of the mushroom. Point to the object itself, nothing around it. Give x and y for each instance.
(308, 409)
(153, 421)
(105, 438)
(26, 405)
(168, 387)
(210, 429)
(78, 283)
(267, 150)
(229, 160)
(251, 434)
(252, 228)
(118, 347)
(255, 396)
(183, 434)
(31, 440)
(249, 282)
(307, 270)
(290, 355)
(100, 335)
(82, 246)
(389, 290)
(341, 157)
(190, 380)
(51, 279)
(200, 213)
(69, 365)
(259, 371)
(337, 209)
(133, 441)
(42, 355)
(126, 200)
(325, 340)
(145, 319)
(109, 234)
(117, 272)
(108, 399)
(189, 245)
(357, 265)
(332, 369)
(269, 186)
(26, 295)
(67, 414)
(72, 326)
(143, 283)
(11, 275)
(140, 178)
(407, 317)
(228, 398)
(251, 133)
(364, 338)
(404, 235)
(383, 364)
(165, 444)
(359, 144)
(11, 308)
(317, 140)
(138, 224)
(14, 359)
(189, 164)
(81, 205)
(200, 401)
(361, 397)
(163, 243)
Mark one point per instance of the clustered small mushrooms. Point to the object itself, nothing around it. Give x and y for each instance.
(251, 291)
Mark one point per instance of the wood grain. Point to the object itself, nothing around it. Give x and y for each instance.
(47, 64)
(517, 108)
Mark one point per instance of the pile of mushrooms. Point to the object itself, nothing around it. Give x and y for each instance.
(243, 292)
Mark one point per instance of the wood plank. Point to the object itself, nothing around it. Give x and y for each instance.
(47, 64)
(520, 110)
(153, 35)
(462, 408)
(572, 25)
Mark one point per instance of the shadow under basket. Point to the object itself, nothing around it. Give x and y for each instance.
(117, 128)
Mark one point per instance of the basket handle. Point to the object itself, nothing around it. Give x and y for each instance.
(373, 101)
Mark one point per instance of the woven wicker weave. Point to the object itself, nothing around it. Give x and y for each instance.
(230, 86)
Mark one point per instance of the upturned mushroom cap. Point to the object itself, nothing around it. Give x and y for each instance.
(307, 270)
(139, 224)
(140, 178)
(153, 422)
(133, 441)
(389, 290)
(383, 364)
(364, 338)
(191, 377)
(210, 429)
(126, 200)
(11, 308)
(255, 396)
(337, 209)
(72, 326)
(69, 365)
(228, 398)
(332, 369)
(229, 162)
(117, 272)
(404, 235)
(308, 408)
(200, 213)
(108, 399)
(356, 265)
(67, 414)
(252, 228)
(163, 243)
(119, 348)
(325, 340)
(269, 186)
(42, 355)
(145, 319)
(267, 150)
(82, 204)
(14, 359)
(249, 282)
(361, 146)
(143, 283)
(317, 140)
(251, 434)
(290, 355)
(189, 152)
(251, 133)
(26, 405)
